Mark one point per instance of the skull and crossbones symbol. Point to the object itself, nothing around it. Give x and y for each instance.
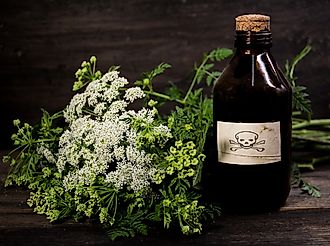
(246, 140)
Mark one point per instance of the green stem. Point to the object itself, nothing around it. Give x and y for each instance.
(195, 78)
(160, 95)
(296, 113)
(311, 139)
(94, 66)
(317, 122)
(44, 140)
(297, 59)
(11, 152)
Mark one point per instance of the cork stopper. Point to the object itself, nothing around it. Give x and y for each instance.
(252, 22)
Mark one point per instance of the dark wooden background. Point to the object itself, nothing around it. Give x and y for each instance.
(43, 42)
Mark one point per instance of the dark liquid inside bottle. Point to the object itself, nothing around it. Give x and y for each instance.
(252, 89)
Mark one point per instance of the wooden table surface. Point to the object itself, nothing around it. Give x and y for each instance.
(303, 221)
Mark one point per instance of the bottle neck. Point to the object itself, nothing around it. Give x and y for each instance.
(248, 42)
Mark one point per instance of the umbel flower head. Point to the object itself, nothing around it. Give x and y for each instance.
(104, 137)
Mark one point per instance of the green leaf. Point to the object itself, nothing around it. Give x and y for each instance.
(220, 54)
(291, 66)
(157, 70)
(212, 77)
(113, 68)
(304, 186)
(310, 189)
(301, 101)
(173, 92)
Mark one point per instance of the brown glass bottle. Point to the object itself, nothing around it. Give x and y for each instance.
(252, 125)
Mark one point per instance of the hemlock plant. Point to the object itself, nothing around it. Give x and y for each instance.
(127, 167)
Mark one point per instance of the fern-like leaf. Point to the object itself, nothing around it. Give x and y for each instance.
(304, 186)
(220, 54)
(301, 101)
(128, 226)
(310, 189)
(157, 70)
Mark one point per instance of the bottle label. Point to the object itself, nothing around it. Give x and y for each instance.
(248, 143)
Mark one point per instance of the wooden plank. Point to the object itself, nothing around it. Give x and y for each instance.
(286, 228)
(303, 221)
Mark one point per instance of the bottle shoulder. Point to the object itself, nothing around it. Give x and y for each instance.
(258, 72)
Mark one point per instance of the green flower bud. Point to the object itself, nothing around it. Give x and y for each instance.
(78, 73)
(111, 221)
(178, 144)
(196, 230)
(77, 85)
(194, 161)
(185, 152)
(191, 172)
(194, 203)
(188, 127)
(178, 165)
(185, 229)
(154, 111)
(81, 207)
(83, 64)
(192, 152)
(169, 158)
(16, 122)
(152, 103)
(181, 175)
(201, 157)
(93, 59)
(98, 74)
(170, 170)
(190, 145)
(166, 202)
(186, 163)
(6, 158)
(172, 150)
(46, 172)
(146, 82)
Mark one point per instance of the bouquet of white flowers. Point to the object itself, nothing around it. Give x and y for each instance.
(107, 159)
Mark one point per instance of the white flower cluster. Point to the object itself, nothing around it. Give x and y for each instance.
(98, 94)
(101, 140)
(44, 150)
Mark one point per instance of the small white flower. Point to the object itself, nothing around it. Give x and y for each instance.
(119, 153)
(110, 94)
(43, 150)
(143, 115)
(74, 109)
(99, 108)
(117, 106)
(134, 93)
(119, 83)
(163, 131)
(110, 76)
